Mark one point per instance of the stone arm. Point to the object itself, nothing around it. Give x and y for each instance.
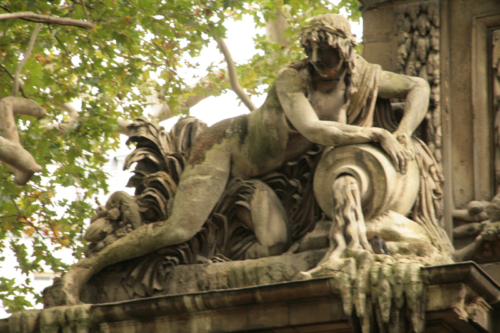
(291, 94)
(416, 91)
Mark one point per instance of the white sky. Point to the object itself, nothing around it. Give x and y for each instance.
(239, 40)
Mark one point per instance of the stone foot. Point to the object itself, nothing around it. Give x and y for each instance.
(68, 319)
(391, 282)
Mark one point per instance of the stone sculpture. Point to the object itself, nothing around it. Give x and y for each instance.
(223, 193)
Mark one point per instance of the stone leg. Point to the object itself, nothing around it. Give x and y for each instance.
(200, 188)
(268, 220)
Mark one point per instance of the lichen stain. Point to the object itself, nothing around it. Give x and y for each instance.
(216, 134)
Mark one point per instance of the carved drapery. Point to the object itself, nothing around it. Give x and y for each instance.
(418, 55)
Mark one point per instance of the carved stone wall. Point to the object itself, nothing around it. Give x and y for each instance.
(455, 45)
(418, 55)
(495, 64)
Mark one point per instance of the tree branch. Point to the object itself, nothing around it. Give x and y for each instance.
(6, 71)
(64, 127)
(233, 79)
(276, 27)
(25, 106)
(123, 127)
(21, 214)
(84, 10)
(65, 7)
(74, 116)
(19, 160)
(47, 19)
(126, 56)
(162, 111)
(27, 54)
(12, 153)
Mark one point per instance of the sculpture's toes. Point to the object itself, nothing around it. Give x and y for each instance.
(385, 291)
(362, 287)
(302, 276)
(70, 319)
(414, 290)
(62, 292)
(400, 270)
(24, 321)
(78, 318)
(345, 279)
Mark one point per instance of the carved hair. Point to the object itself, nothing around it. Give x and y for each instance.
(334, 30)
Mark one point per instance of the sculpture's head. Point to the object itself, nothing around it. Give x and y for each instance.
(329, 44)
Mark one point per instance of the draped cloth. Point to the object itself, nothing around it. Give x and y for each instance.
(361, 105)
(366, 109)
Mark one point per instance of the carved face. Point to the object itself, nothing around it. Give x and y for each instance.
(325, 59)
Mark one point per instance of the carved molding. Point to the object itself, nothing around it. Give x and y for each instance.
(485, 142)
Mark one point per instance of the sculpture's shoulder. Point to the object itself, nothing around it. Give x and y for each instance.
(294, 77)
(298, 65)
(360, 67)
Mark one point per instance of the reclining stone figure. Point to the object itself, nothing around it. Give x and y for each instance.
(328, 99)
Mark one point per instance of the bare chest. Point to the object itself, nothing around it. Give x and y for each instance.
(328, 105)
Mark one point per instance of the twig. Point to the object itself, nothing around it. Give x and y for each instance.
(146, 61)
(27, 54)
(55, 236)
(6, 9)
(65, 7)
(6, 71)
(233, 79)
(286, 18)
(123, 127)
(64, 127)
(24, 217)
(50, 225)
(165, 54)
(159, 48)
(63, 47)
(7, 216)
(84, 10)
(87, 18)
(47, 19)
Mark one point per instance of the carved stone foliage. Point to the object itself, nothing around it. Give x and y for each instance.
(160, 158)
(418, 55)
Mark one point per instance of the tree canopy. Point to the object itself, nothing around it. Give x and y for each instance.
(104, 52)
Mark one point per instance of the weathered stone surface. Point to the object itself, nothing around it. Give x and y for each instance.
(231, 206)
(460, 299)
(110, 284)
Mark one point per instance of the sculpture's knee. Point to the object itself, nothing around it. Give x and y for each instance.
(269, 219)
(126, 208)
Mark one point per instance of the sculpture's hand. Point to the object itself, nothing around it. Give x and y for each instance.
(405, 140)
(396, 151)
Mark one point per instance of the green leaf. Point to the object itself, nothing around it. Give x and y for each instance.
(110, 69)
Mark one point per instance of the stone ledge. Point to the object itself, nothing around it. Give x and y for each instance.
(460, 298)
(467, 272)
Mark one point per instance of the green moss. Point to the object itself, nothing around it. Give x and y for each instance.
(216, 134)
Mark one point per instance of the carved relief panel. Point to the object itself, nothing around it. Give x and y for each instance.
(418, 55)
(495, 62)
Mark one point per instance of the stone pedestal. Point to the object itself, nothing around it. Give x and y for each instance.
(460, 298)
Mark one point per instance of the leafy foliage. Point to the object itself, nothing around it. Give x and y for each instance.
(109, 68)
